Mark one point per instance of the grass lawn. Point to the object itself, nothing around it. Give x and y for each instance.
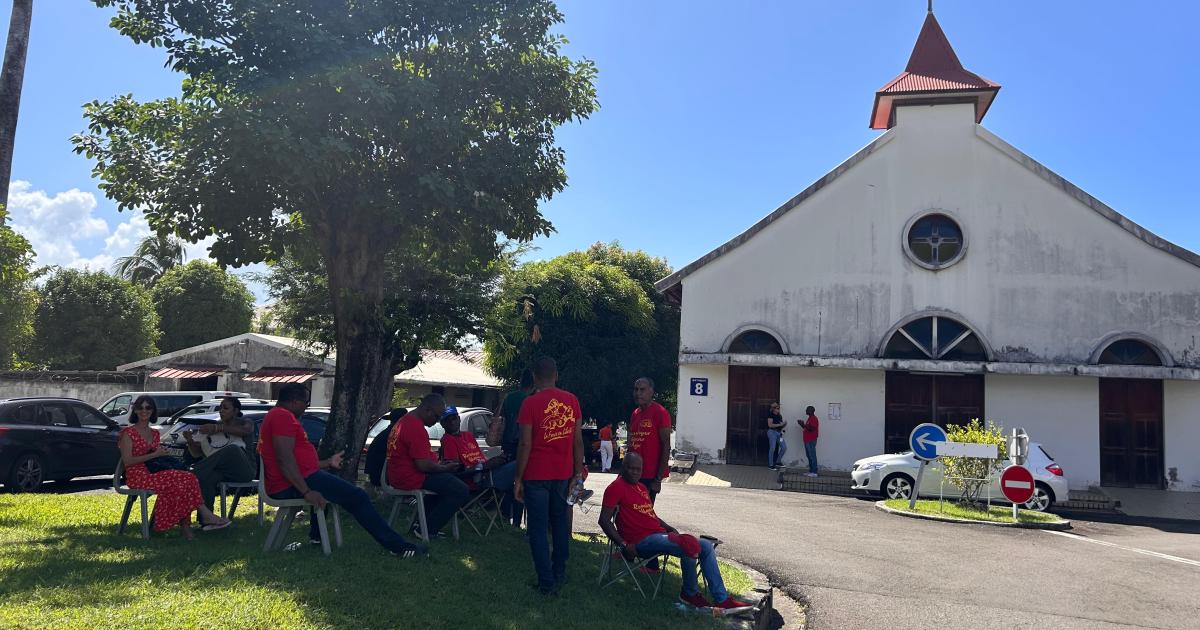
(998, 514)
(63, 566)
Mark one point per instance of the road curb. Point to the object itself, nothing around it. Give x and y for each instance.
(785, 607)
(1058, 527)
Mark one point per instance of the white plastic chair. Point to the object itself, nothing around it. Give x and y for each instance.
(285, 513)
(132, 495)
(416, 496)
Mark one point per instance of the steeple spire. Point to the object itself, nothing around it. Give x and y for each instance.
(933, 74)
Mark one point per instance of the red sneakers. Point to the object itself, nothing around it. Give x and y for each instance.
(696, 600)
(732, 602)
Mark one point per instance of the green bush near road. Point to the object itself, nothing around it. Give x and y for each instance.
(951, 509)
(63, 566)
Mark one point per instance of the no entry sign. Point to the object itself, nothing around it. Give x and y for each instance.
(1016, 482)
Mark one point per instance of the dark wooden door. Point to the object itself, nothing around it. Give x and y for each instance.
(911, 399)
(751, 392)
(1131, 433)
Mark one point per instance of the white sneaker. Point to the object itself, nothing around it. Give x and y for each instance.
(810, 474)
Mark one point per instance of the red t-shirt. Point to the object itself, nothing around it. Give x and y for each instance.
(606, 434)
(280, 421)
(812, 429)
(636, 519)
(644, 440)
(408, 442)
(554, 416)
(462, 448)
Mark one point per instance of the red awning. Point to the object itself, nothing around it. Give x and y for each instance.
(188, 371)
(278, 375)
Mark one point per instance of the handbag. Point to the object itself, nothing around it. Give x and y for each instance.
(169, 462)
(495, 431)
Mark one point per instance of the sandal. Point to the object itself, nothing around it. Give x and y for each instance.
(209, 527)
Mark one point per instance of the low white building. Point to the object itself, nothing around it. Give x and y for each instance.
(940, 274)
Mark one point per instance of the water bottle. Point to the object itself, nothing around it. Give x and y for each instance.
(575, 493)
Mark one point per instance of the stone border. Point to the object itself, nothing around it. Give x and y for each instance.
(1058, 527)
(792, 611)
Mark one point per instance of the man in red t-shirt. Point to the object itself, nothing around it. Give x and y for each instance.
(650, 437)
(549, 463)
(459, 446)
(637, 531)
(411, 463)
(291, 470)
(812, 430)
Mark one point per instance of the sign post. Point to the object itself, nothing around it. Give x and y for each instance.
(924, 441)
(1016, 482)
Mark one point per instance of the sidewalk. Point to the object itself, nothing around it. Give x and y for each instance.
(1156, 503)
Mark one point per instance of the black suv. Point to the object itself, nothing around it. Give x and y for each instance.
(53, 438)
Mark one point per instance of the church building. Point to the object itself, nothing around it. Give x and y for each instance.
(937, 275)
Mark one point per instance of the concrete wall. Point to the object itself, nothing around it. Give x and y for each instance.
(1045, 277)
(858, 434)
(700, 427)
(1061, 413)
(1181, 434)
(92, 393)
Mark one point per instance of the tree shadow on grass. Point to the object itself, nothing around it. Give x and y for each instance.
(81, 574)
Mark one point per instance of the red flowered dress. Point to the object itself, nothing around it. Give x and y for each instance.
(178, 490)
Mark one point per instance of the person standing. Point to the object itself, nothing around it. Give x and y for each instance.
(606, 447)
(549, 463)
(812, 429)
(511, 509)
(650, 437)
(775, 428)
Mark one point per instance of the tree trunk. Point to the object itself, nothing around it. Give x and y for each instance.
(11, 78)
(363, 378)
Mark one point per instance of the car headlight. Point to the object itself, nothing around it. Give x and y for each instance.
(872, 466)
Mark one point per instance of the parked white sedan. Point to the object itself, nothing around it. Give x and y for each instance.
(893, 477)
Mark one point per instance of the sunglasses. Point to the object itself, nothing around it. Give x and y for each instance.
(146, 408)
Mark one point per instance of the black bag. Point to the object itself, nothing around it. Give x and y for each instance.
(170, 462)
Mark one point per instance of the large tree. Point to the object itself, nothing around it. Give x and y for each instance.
(155, 255)
(92, 321)
(368, 125)
(595, 313)
(12, 76)
(17, 296)
(200, 302)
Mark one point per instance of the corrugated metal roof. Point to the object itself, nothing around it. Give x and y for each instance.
(191, 371)
(281, 375)
(445, 367)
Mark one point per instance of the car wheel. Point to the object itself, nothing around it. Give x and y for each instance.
(1041, 500)
(28, 473)
(897, 486)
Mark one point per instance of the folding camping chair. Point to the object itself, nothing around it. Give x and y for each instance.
(607, 578)
(476, 508)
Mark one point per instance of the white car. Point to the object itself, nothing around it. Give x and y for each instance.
(474, 420)
(893, 477)
(119, 408)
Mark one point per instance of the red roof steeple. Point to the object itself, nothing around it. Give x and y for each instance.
(933, 74)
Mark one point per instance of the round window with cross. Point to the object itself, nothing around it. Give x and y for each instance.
(934, 240)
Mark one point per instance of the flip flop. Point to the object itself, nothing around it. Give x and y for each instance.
(215, 526)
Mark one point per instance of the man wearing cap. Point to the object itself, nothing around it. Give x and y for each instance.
(459, 446)
(411, 463)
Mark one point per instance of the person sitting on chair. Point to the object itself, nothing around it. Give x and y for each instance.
(461, 447)
(218, 450)
(639, 532)
(411, 464)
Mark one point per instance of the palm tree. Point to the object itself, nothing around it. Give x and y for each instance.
(12, 75)
(154, 256)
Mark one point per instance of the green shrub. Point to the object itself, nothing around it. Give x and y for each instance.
(970, 474)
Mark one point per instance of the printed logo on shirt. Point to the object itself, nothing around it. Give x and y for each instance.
(558, 421)
(638, 434)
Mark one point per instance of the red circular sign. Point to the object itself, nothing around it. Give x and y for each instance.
(1016, 482)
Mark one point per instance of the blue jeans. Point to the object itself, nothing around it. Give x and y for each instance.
(810, 451)
(546, 506)
(355, 501)
(451, 494)
(775, 438)
(502, 477)
(658, 544)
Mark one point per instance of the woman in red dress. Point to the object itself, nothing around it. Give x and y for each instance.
(178, 491)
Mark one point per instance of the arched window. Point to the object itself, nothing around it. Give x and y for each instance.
(755, 342)
(935, 337)
(1129, 352)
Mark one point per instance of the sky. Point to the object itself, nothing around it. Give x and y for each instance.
(712, 114)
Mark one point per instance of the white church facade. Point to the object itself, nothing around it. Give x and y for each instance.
(940, 274)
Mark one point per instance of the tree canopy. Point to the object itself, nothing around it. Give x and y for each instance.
(200, 302)
(155, 255)
(597, 314)
(366, 126)
(92, 321)
(17, 296)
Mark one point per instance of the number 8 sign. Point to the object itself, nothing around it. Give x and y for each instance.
(699, 387)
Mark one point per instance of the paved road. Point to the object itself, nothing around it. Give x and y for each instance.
(860, 568)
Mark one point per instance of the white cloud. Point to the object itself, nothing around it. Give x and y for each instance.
(53, 224)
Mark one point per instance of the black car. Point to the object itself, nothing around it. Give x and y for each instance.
(44, 439)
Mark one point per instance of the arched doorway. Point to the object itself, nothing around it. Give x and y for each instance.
(752, 389)
(912, 398)
(1131, 419)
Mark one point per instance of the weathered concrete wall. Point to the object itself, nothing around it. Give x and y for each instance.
(1181, 434)
(1060, 412)
(701, 425)
(89, 391)
(858, 434)
(1045, 277)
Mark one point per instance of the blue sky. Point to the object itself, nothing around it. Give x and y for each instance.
(714, 113)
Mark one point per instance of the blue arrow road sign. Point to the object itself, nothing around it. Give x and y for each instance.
(925, 440)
